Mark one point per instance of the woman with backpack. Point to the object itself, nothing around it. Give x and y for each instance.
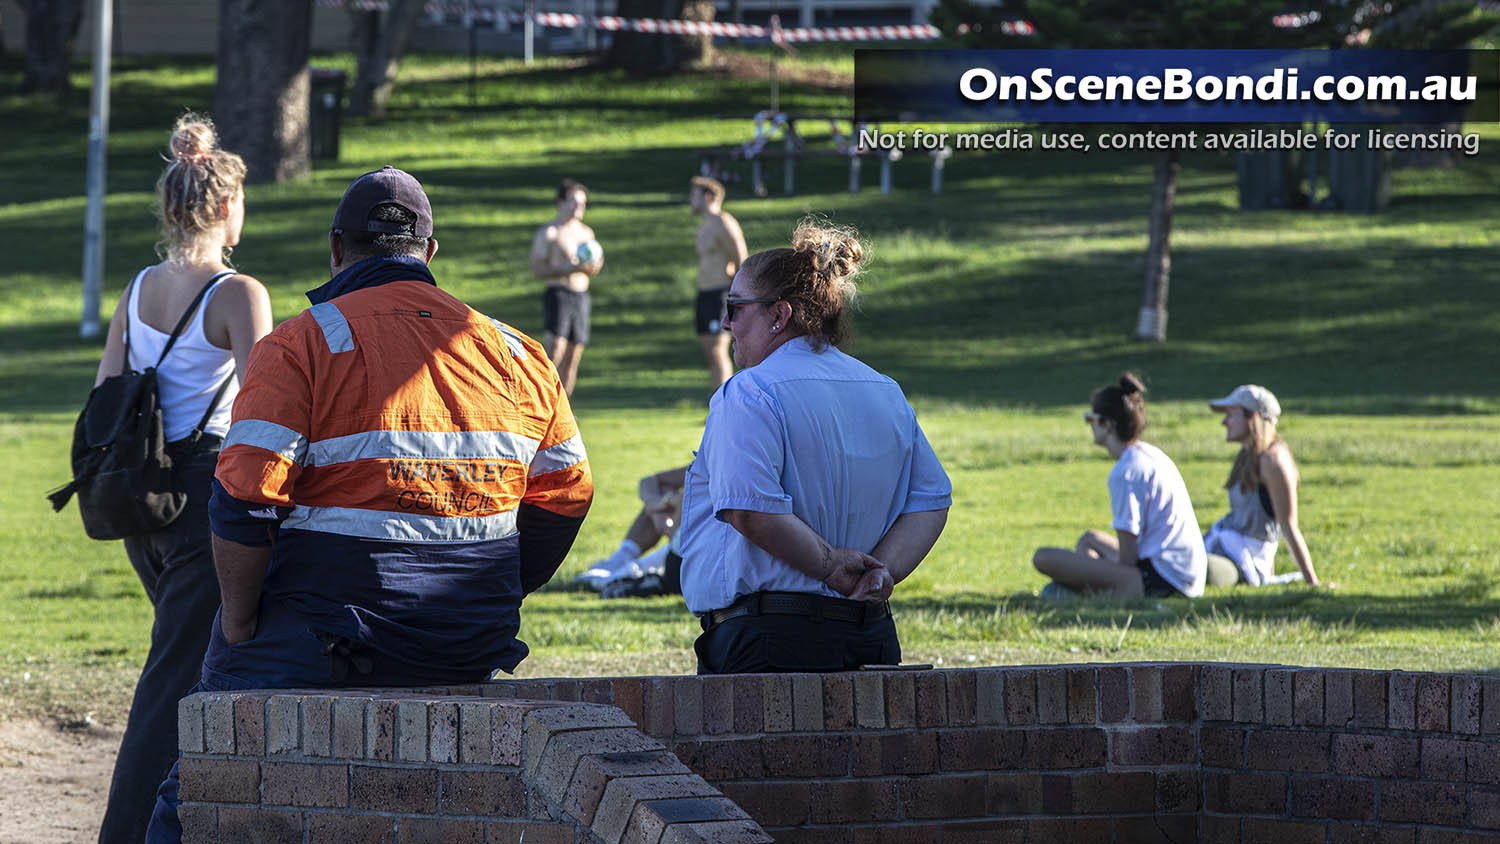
(219, 314)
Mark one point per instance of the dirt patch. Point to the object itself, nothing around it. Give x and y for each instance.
(54, 781)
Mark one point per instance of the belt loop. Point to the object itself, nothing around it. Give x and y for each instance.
(753, 603)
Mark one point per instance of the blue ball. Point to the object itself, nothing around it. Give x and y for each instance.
(590, 251)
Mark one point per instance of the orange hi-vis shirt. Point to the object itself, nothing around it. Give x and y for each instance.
(398, 413)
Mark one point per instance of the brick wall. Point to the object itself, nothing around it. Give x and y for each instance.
(1109, 753)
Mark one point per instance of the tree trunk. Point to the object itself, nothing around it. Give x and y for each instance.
(261, 94)
(1152, 324)
(51, 26)
(652, 54)
(380, 41)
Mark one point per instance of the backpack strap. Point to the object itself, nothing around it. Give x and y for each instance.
(212, 405)
(188, 314)
(129, 289)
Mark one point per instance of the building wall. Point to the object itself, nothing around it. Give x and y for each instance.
(169, 27)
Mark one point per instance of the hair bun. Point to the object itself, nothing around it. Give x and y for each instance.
(835, 251)
(1131, 385)
(193, 139)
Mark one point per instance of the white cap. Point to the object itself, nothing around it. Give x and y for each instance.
(1251, 397)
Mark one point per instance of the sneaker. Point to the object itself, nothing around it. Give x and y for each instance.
(594, 578)
(634, 587)
(1055, 591)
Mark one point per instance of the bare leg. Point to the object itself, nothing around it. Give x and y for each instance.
(1088, 573)
(564, 355)
(1097, 543)
(716, 355)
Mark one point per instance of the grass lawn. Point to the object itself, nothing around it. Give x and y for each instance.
(999, 305)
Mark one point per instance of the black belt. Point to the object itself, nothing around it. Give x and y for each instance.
(805, 604)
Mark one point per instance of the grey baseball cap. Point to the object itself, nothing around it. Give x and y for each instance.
(1251, 397)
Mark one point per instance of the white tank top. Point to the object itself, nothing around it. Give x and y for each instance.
(192, 371)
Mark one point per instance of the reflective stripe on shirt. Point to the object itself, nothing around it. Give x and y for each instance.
(401, 527)
(424, 446)
(270, 436)
(567, 453)
(335, 328)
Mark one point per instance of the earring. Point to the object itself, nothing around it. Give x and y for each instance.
(776, 327)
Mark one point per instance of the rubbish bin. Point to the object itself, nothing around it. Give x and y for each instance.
(1359, 178)
(325, 108)
(1270, 179)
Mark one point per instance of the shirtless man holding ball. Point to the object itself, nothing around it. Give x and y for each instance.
(566, 255)
(721, 250)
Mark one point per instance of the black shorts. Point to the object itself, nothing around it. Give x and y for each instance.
(565, 313)
(1152, 583)
(710, 310)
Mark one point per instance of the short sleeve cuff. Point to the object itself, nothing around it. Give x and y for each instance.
(755, 504)
(245, 522)
(923, 502)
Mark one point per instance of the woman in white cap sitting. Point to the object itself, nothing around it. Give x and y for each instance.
(1262, 492)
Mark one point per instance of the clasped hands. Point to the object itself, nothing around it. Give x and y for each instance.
(859, 576)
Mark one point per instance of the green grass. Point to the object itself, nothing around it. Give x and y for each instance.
(998, 305)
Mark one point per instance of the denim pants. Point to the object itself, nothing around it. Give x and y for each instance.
(176, 567)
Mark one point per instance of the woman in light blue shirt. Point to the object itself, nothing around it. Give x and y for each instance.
(814, 491)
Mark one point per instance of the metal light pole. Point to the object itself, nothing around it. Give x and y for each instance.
(93, 217)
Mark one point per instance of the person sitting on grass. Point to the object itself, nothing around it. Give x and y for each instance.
(1156, 550)
(631, 571)
(1262, 489)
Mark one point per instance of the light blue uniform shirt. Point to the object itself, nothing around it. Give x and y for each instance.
(816, 434)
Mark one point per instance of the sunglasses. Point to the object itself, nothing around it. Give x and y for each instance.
(1091, 417)
(731, 304)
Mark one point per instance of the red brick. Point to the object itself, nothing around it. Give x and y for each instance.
(1443, 759)
(944, 797)
(483, 793)
(1217, 696)
(982, 832)
(1284, 832)
(1285, 750)
(718, 705)
(1169, 829)
(1013, 794)
(838, 701)
(1307, 698)
(1222, 747)
(687, 706)
(660, 712)
(905, 752)
(1483, 763)
(261, 826)
(854, 801)
(342, 829)
(1114, 792)
(981, 749)
(561, 689)
(1484, 808)
(597, 690)
(1422, 802)
(749, 704)
(533, 690)
(1467, 705)
(723, 759)
(1428, 835)
(990, 702)
(1069, 747)
(962, 689)
(630, 698)
(1154, 746)
(652, 817)
(219, 780)
(1279, 703)
(1375, 756)
(529, 832)
(1057, 794)
(304, 785)
(317, 725)
(439, 831)
(716, 832)
(1336, 799)
(1248, 705)
(813, 835)
(594, 772)
(1052, 696)
(772, 803)
(1178, 791)
(1071, 830)
(393, 789)
(1342, 833)
(1489, 721)
(621, 795)
(1369, 699)
(1401, 701)
(1146, 688)
(1245, 793)
(250, 725)
(897, 833)
(1219, 830)
(380, 730)
(869, 699)
(201, 824)
(931, 699)
(809, 756)
(1019, 695)
(1179, 685)
(1432, 702)
(1114, 694)
(1338, 698)
(900, 700)
(1083, 696)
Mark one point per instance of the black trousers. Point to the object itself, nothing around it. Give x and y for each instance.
(176, 567)
(763, 644)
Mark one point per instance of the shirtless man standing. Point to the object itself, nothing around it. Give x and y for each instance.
(565, 304)
(721, 250)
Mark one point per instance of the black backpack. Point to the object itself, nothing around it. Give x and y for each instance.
(122, 473)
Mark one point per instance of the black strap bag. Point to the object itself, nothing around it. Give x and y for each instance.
(122, 472)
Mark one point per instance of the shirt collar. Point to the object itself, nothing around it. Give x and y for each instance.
(372, 272)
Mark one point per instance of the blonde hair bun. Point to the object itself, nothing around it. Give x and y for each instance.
(836, 252)
(193, 138)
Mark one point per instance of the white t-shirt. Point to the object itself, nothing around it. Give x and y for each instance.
(1150, 500)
